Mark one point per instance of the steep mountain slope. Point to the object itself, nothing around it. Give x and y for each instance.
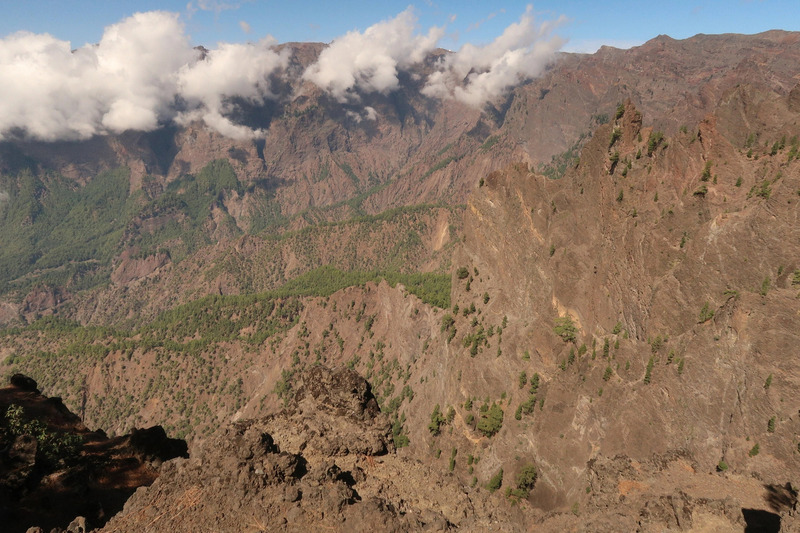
(323, 161)
(627, 329)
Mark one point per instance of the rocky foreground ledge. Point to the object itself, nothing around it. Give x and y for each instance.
(57, 475)
(325, 462)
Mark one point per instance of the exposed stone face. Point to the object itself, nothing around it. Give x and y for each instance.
(313, 465)
(46, 486)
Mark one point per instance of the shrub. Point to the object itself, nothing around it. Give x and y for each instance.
(52, 447)
(615, 135)
(447, 322)
(526, 478)
(762, 191)
(706, 175)
(722, 466)
(706, 313)
(523, 379)
(754, 450)
(768, 382)
(565, 328)
(656, 344)
(462, 273)
(653, 141)
(437, 420)
(620, 111)
(765, 285)
(495, 482)
(771, 425)
(534, 383)
(648, 372)
(608, 373)
(491, 421)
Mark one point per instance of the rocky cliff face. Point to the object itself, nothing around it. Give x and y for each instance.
(54, 469)
(326, 461)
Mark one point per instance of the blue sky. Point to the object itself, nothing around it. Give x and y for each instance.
(590, 23)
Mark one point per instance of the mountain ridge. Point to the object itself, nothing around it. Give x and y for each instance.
(627, 328)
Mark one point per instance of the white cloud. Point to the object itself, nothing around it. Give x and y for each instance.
(369, 113)
(129, 80)
(124, 82)
(232, 70)
(144, 73)
(370, 61)
(245, 26)
(476, 75)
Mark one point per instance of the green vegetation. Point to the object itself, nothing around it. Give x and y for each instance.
(765, 286)
(526, 479)
(491, 141)
(620, 111)
(768, 382)
(569, 158)
(762, 190)
(754, 450)
(722, 466)
(565, 328)
(706, 175)
(649, 371)
(53, 447)
(491, 420)
(495, 482)
(398, 436)
(440, 165)
(437, 421)
(706, 313)
(655, 139)
(771, 425)
(433, 289)
(62, 233)
(453, 454)
(616, 133)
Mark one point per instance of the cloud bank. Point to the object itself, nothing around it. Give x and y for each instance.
(476, 75)
(369, 61)
(144, 73)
